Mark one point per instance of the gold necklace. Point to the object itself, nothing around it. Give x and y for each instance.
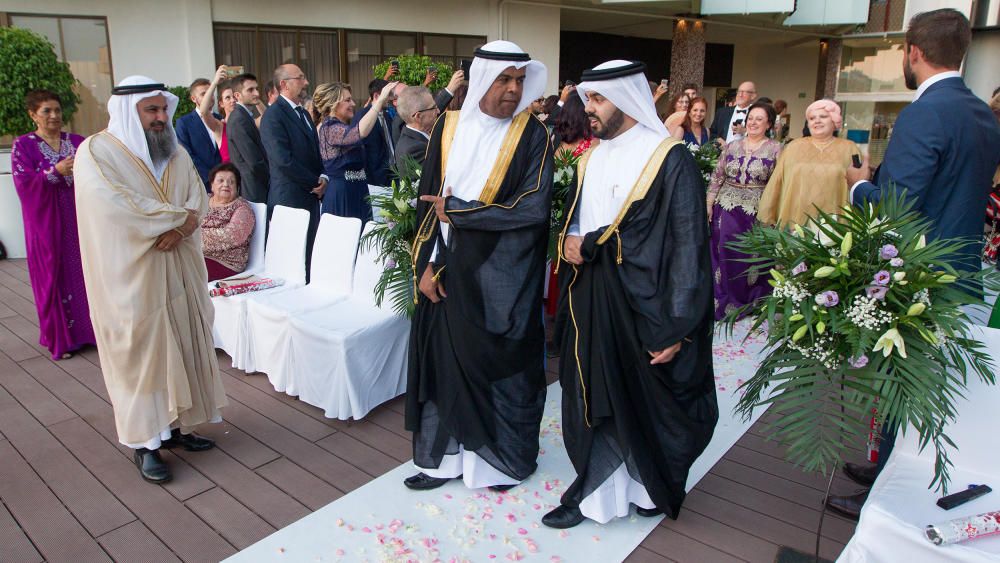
(746, 145)
(822, 147)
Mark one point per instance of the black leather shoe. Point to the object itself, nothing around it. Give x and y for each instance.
(563, 517)
(863, 475)
(648, 512)
(151, 466)
(424, 482)
(847, 506)
(501, 488)
(190, 442)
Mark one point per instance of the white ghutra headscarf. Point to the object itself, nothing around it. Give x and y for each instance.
(125, 124)
(624, 83)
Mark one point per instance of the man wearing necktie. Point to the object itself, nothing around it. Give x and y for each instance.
(730, 123)
(289, 137)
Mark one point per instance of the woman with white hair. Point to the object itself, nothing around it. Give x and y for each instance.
(810, 171)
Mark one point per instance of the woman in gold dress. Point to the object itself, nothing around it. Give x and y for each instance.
(811, 171)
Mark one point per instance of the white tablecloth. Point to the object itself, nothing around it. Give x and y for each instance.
(900, 505)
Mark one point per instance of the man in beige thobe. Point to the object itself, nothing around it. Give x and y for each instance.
(139, 205)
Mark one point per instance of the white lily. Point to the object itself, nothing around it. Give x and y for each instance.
(846, 244)
(891, 339)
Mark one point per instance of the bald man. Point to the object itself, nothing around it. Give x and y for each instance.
(730, 123)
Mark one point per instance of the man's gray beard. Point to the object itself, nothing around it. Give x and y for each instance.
(162, 145)
(612, 126)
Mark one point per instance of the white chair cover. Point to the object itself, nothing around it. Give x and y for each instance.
(285, 258)
(377, 190)
(255, 262)
(351, 356)
(267, 315)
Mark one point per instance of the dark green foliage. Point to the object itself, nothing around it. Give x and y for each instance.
(28, 62)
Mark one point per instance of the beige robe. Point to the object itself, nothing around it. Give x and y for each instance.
(807, 177)
(150, 309)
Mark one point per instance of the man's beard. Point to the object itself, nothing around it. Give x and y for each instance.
(908, 77)
(609, 129)
(162, 144)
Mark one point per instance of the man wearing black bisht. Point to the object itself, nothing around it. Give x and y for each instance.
(635, 311)
(476, 382)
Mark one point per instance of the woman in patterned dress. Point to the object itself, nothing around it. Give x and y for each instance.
(734, 193)
(227, 227)
(42, 166)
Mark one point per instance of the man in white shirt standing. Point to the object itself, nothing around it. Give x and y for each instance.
(730, 123)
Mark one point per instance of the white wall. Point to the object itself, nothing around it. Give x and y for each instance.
(536, 30)
(780, 73)
(982, 65)
(171, 42)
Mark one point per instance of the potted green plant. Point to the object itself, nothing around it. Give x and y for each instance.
(413, 70)
(28, 62)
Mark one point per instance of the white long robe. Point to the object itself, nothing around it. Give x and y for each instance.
(150, 309)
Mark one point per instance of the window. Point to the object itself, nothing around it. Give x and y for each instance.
(872, 66)
(326, 55)
(83, 43)
(261, 49)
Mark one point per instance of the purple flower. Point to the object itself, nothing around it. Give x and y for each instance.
(390, 264)
(802, 267)
(896, 262)
(876, 292)
(390, 224)
(859, 362)
(828, 299)
(882, 277)
(888, 251)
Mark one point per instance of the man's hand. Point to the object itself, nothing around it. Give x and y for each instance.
(855, 175)
(571, 249)
(666, 355)
(65, 166)
(739, 130)
(431, 288)
(456, 80)
(320, 189)
(190, 223)
(429, 77)
(168, 240)
(389, 72)
(438, 203)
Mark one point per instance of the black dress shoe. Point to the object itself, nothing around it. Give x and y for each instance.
(847, 506)
(190, 442)
(563, 517)
(151, 466)
(502, 488)
(648, 512)
(863, 475)
(424, 482)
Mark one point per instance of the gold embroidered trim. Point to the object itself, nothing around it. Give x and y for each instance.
(159, 187)
(502, 163)
(447, 136)
(576, 347)
(642, 184)
(731, 197)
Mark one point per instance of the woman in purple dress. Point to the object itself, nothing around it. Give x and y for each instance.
(42, 166)
(734, 193)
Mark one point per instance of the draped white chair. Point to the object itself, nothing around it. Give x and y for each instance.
(333, 256)
(351, 356)
(374, 190)
(255, 261)
(284, 258)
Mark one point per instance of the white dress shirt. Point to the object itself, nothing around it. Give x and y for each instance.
(739, 114)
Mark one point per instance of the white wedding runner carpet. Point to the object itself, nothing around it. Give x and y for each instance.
(385, 521)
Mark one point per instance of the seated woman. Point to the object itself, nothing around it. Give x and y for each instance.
(228, 225)
(693, 129)
(811, 171)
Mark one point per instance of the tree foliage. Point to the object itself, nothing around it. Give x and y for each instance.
(413, 69)
(28, 62)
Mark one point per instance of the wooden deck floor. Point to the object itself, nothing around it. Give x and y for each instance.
(69, 491)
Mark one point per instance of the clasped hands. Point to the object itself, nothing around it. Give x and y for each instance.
(170, 239)
(571, 253)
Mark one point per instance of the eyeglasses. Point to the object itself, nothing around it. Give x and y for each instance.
(746, 91)
(419, 111)
(299, 77)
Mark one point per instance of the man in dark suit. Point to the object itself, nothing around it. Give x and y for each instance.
(292, 147)
(246, 149)
(193, 134)
(943, 152)
(730, 122)
(378, 143)
(418, 110)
